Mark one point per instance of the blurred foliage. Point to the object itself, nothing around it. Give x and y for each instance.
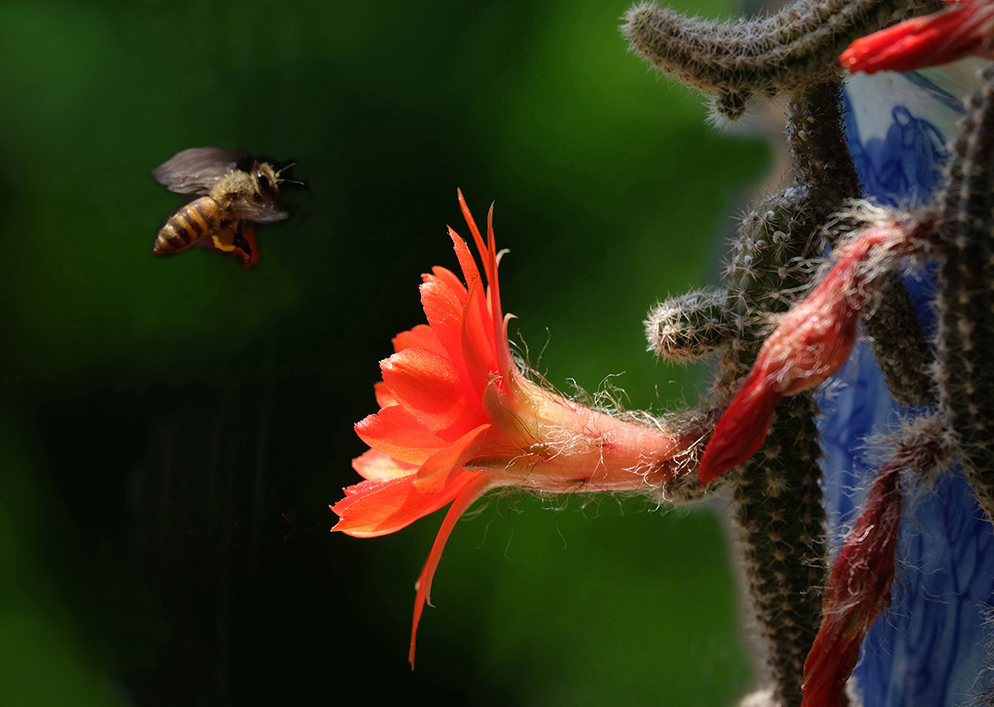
(173, 428)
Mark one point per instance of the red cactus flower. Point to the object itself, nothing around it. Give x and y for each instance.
(964, 28)
(858, 590)
(458, 419)
(811, 343)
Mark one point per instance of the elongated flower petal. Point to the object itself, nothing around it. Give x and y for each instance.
(371, 508)
(963, 28)
(475, 487)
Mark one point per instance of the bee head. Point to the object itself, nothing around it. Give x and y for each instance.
(266, 180)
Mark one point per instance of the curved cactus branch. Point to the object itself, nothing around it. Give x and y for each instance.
(787, 51)
(687, 327)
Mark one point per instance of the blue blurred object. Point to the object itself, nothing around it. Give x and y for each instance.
(929, 648)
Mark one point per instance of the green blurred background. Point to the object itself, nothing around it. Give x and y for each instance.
(172, 430)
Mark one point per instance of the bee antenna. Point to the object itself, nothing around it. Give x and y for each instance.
(288, 181)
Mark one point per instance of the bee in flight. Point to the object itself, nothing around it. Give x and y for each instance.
(225, 202)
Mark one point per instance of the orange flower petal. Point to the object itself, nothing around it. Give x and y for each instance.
(437, 473)
(384, 398)
(421, 337)
(467, 262)
(430, 389)
(475, 232)
(395, 433)
(478, 340)
(372, 508)
(377, 466)
(450, 280)
(505, 363)
(444, 307)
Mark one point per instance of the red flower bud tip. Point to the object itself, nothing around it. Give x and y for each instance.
(858, 590)
(458, 419)
(964, 28)
(811, 343)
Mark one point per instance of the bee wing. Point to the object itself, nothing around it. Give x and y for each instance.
(270, 215)
(196, 170)
(259, 213)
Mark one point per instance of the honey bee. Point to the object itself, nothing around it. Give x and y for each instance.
(225, 202)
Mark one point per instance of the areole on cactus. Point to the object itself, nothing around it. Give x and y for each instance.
(459, 417)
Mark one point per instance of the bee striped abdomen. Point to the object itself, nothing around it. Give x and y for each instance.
(186, 225)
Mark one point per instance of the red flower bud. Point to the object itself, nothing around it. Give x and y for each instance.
(964, 28)
(811, 343)
(858, 590)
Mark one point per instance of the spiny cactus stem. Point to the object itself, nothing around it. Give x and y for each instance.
(965, 337)
(780, 515)
(898, 341)
(778, 495)
(818, 147)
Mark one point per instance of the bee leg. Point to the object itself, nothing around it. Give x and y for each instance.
(245, 241)
(237, 237)
(241, 242)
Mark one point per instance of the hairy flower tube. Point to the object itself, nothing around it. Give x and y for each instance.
(458, 419)
(858, 590)
(859, 586)
(964, 28)
(811, 343)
